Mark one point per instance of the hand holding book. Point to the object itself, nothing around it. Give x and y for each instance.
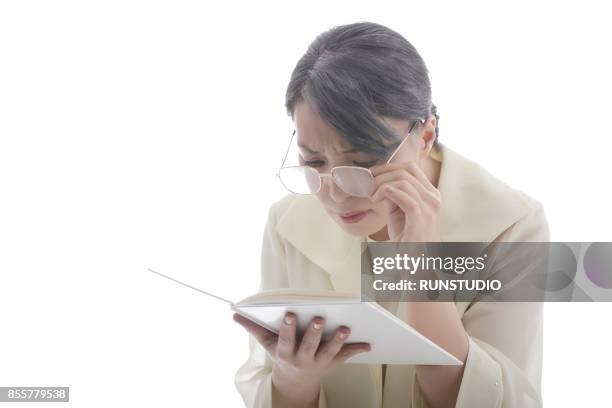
(300, 364)
(305, 331)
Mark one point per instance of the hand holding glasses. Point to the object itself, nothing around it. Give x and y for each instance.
(353, 180)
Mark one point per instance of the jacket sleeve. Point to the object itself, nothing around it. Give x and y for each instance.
(254, 377)
(504, 362)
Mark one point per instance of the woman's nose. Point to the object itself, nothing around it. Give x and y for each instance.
(335, 192)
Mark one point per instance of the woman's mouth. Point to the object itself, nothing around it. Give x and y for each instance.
(354, 216)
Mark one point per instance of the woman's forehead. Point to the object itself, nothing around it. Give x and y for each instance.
(321, 142)
(312, 131)
(315, 133)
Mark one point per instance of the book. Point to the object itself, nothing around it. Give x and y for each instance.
(392, 340)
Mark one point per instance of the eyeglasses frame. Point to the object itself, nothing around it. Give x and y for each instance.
(330, 174)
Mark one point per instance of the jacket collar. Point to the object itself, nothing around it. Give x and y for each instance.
(476, 207)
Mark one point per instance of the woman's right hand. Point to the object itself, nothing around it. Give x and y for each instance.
(300, 366)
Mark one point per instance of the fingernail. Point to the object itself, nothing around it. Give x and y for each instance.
(343, 334)
(288, 319)
(316, 326)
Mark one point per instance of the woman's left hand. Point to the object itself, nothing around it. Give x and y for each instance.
(413, 203)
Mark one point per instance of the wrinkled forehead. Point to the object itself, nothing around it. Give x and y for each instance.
(315, 133)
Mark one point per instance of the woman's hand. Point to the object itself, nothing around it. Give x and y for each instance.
(299, 366)
(413, 203)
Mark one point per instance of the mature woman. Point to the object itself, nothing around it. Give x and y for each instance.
(360, 98)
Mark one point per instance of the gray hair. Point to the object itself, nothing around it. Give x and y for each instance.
(353, 74)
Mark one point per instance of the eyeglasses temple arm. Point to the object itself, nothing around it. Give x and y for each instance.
(286, 154)
(412, 128)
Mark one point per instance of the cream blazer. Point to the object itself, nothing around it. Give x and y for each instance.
(304, 248)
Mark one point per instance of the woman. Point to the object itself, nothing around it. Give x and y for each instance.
(361, 97)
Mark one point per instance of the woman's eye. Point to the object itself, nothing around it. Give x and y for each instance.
(314, 163)
(365, 164)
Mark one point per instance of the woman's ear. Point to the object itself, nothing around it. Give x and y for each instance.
(427, 136)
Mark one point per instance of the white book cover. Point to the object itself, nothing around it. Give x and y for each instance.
(392, 340)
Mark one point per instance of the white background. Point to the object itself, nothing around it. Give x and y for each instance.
(139, 134)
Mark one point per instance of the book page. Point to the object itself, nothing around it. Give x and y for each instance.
(297, 295)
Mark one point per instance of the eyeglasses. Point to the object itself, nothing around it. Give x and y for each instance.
(353, 180)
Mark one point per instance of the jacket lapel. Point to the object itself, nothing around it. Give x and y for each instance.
(307, 226)
(476, 206)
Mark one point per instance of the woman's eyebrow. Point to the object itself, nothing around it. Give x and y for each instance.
(303, 146)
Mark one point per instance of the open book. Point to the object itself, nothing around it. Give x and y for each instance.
(392, 340)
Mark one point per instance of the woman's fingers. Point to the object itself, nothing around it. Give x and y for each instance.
(411, 167)
(264, 336)
(334, 350)
(349, 350)
(406, 181)
(418, 172)
(328, 351)
(401, 184)
(310, 340)
(402, 200)
(286, 337)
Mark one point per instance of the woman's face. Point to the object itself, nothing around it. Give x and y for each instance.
(323, 148)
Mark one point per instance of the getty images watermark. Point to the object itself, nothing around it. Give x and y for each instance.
(479, 271)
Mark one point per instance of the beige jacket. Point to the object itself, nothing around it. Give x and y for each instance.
(304, 248)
